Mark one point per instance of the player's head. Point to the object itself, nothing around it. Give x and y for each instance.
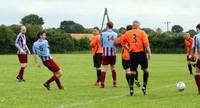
(129, 27)
(198, 28)
(23, 29)
(187, 35)
(95, 31)
(109, 25)
(42, 35)
(136, 24)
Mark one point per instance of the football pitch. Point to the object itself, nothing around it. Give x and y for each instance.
(78, 79)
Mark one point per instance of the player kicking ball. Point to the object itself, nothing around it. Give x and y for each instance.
(126, 58)
(109, 54)
(196, 45)
(138, 43)
(41, 49)
(22, 52)
(97, 51)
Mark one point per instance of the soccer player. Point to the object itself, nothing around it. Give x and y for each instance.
(109, 53)
(188, 46)
(138, 43)
(126, 58)
(41, 48)
(97, 51)
(22, 52)
(196, 45)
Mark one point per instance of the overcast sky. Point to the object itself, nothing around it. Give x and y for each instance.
(151, 13)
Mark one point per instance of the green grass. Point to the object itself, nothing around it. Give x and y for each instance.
(79, 76)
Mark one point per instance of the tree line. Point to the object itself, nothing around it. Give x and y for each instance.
(61, 41)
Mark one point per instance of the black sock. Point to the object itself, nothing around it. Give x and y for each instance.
(145, 78)
(128, 78)
(190, 68)
(136, 76)
(132, 78)
(98, 75)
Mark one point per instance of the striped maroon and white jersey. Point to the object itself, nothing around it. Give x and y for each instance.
(20, 43)
(109, 51)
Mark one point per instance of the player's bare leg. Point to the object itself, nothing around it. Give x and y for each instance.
(145, 80)
(21, 72)
(103, 75)
(114, 75)
(197, 78)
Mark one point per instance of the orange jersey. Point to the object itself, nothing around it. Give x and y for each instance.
(95, 44)
(125, 51)
(137, 40)
(188, 46)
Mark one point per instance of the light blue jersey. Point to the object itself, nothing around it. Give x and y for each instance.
(41, 48)
(196, 44)
(107, 41)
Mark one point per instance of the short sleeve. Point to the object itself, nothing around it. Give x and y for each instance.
(145, 40)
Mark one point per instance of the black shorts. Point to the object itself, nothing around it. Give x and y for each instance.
(97, 60)
(138, 58)
(126, 64)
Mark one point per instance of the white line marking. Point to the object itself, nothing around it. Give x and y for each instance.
(113, 97)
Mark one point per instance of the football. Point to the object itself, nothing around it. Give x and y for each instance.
(180, 86)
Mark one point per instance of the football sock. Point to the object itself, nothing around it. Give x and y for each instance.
(145, 78)
(98, 75)
(197, 79)
(21, 72)
(128, 77)
(114, 75)
(132, 78)
(57, 80)
(50, 80)
(103, 76)
(190, 68)
(136, 76)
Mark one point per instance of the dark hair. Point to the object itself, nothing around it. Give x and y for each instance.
(198, 26)
(97, 28)
(40, 33)
(109, 25)
(129, 27)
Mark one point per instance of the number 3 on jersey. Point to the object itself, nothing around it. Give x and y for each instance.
(134, 38)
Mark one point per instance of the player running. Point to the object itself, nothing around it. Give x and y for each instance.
(22, 52)
(188, 46)
(138, 43)
(41, 48)
(126, 58)
(109, 53)
(97, 51)
(196, 45)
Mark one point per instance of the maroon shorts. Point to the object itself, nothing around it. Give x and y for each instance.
(51, 65)
(23, 58)
(106, 60)
(198, 63)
